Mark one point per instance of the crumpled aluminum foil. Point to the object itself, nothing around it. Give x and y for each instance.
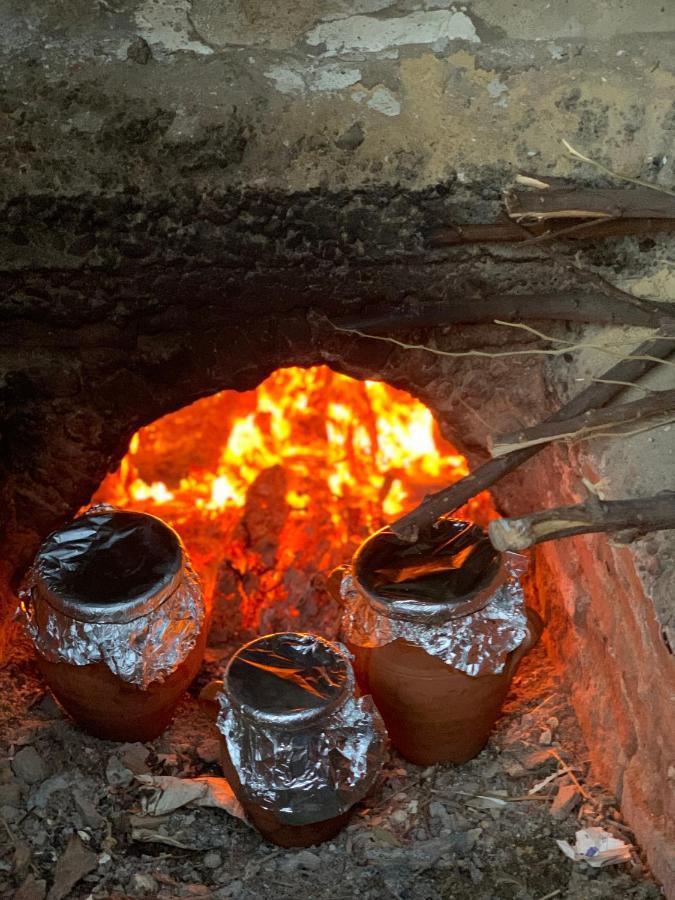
(310, 772)
(477, 644)
(145, 649)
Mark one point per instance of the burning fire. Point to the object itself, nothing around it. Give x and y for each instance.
(329, 458)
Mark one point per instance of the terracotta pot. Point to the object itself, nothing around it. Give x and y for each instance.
(114, 710)
(287, 706)
(435, 713)
(267, 823)
(117, 619)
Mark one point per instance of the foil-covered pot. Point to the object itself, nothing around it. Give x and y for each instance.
(116, 614)
(299, 748)
(437, 631)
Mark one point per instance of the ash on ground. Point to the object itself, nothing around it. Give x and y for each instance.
(73, 823)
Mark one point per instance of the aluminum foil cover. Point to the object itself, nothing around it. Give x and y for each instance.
(146, 649)
(477, 644)
(310, 772)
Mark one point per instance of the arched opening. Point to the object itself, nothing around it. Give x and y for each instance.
(272, 488)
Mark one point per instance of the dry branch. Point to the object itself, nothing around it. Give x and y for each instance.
(638, 516)
(657, 405)
(509, 233)
(588, 203)
(595, 395)
(455, 310)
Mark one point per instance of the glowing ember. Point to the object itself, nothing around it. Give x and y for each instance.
(330, 457)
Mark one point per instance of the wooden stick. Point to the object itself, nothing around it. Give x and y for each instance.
(658, 404)
(588, 203)
(509, 233)
(595, 395)
(564, 306)
(640, 516)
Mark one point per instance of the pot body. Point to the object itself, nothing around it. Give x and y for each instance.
(110, 708)
(433, 712)
(268, 824)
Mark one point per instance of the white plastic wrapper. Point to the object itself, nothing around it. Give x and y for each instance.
(117, 588)
(303, 746)
(474, 634)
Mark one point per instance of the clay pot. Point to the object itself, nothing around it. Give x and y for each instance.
(114, 710)
(434, 713)
(268, 824)
(105, 581)
(284, 696)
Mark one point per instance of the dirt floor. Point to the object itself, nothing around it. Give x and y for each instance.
(74, 822)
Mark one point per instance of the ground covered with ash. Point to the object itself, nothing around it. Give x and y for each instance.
(73, 822)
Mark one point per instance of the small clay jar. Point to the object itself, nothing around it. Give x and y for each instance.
(434, 712)
(116, 615)
(297, 748)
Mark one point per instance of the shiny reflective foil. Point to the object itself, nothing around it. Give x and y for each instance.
(114, 587)
(477, 643)
(303, 746)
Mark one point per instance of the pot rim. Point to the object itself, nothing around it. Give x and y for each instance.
(298, 718)
(46, 583)
(410, 610)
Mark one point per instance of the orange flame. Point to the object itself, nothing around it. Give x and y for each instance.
(354, 455)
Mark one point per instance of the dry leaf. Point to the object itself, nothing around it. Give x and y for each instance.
(170, 793)
(74, 863)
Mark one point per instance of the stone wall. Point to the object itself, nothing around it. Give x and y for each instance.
(187, 187)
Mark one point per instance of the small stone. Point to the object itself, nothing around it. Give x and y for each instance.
(567, 798)
(117, 773)
(40, 798)
(87, 810)
(514, 769)
(553, 722)
(143, 885)
(209, 750)
(29, 766)
(10, 814)
(546, 737)
(352, 138)
(133, 757)
(537, 759)
(213, 860)
(139, 51)
(399, 816)
(10, 794)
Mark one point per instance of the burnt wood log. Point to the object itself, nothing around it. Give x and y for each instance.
(594, 396)
(563, 306)
(588, 203)
(637, 517)
(655, 406)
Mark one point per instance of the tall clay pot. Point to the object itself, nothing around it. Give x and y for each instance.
(434, 711)
(116, 616)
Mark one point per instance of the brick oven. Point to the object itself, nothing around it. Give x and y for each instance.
(203, 208)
